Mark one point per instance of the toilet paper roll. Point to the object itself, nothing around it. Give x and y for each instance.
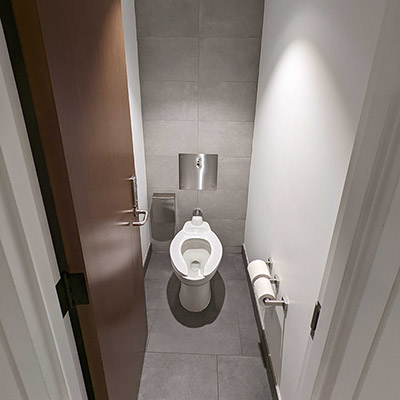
(258, 269)
(264, 290)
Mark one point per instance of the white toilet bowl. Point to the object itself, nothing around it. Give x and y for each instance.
(195, 255)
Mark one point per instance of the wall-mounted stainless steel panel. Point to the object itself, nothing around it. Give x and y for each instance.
(198, 171)
(163, 211)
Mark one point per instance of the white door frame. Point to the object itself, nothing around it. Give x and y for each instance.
(369, 189)
(29, 263)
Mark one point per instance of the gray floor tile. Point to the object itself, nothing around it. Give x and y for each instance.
(160, 247)
(233, 249)
(233, 295)
(156, 293)
(226, 328)
(242, 378)
(231, 267)
(249, 338)
(150, 318)
(178, 377)
(200, 333)
(159, 267)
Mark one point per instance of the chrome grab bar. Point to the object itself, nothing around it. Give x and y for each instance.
(145, 218)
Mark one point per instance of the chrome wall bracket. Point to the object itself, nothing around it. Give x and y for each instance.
(276, 281)
(276, 303)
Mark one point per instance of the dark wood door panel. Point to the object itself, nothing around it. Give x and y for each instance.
(75, 60)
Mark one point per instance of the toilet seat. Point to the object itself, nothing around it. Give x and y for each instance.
(195, 255)
(190, 232)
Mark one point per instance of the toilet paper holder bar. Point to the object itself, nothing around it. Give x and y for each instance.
(276, 303)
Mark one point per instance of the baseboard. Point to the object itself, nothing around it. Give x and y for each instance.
(266, 355)
(147, 258)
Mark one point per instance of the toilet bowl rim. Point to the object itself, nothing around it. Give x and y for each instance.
(177, 256)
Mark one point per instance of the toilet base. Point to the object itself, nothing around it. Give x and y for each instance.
(195, 298)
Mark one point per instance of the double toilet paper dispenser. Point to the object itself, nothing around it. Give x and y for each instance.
(264, 285)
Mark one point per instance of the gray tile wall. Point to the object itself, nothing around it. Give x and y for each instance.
(199, 69)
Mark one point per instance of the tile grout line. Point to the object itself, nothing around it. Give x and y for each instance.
(240, 336)
(198, 36)
(197, 81)
(200, 120)
(216, 357)
(203, 354)
(198, 86)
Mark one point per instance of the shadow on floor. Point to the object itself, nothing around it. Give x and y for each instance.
(205, 317)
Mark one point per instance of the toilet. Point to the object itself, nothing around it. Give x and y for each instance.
(195, 255)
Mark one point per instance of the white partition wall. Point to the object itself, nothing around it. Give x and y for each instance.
(314, 70)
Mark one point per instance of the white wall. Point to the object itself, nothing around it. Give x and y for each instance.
(129, 22)
(314, 69)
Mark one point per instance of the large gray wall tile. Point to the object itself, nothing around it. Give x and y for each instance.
(225, 204)
(242, 378)
(231, 18)
(178, 377)
(229, 59)
(162, 171)
(170, 137)
(167, 17)
(233, 173)
(227, 101)
(168, 59)
(181, 222)
(230, 232)
(228, 139)
(172, 101)
(185, 114)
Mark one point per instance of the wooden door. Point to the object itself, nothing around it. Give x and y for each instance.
(75, 62)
